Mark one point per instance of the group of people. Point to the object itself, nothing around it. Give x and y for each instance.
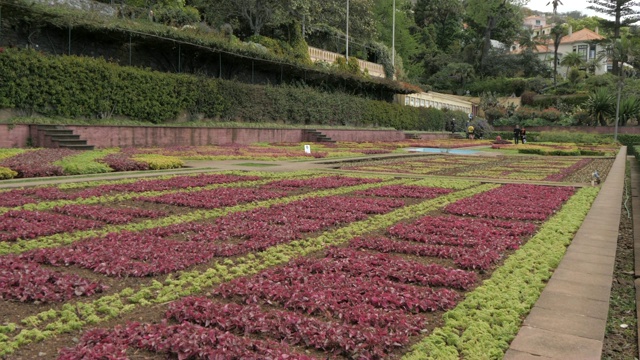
(519, 134)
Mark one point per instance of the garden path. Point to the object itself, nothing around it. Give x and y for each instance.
(568, 321)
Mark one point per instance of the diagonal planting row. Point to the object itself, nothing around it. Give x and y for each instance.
(354, 303)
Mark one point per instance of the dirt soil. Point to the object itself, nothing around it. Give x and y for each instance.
(621, 337)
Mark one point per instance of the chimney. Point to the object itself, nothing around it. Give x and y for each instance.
(597, 31)
(570, 29)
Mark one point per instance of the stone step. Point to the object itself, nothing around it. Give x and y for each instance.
(57, 132)
(78, 147)
(65, 137)
(72, 142)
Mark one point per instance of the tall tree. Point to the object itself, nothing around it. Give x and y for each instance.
(444, 16)
(557, 32)
(493, 20)
(407, 46)
(623, 13)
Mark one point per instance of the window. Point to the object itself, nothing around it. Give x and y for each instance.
(582, 51)
(406, 100)
(411, 101)
(422, 102)
(538, 22)
(592, 51)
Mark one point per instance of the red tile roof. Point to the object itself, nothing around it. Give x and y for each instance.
(583, 35)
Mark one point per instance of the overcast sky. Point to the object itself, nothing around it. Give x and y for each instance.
(567, 5)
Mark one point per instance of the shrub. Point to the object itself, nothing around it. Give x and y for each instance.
(546, 101)
(527, 98)
(6, 173)
(160, 162)
(85, 163)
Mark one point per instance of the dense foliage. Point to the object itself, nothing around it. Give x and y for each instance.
(65, 86)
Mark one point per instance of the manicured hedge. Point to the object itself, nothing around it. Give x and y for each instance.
(72, 86)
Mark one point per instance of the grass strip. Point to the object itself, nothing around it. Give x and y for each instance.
(484, 324)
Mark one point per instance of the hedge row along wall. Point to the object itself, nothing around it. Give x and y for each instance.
(72, 86)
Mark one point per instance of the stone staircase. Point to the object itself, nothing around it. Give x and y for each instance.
(316, 136)
(412, 136)
(58, 136)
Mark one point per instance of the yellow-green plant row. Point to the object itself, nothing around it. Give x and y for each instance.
(159, 162)
(73, 317)
(7, 153)
(483, 325)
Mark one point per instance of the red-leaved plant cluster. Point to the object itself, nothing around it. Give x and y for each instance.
(514, 201)
(37, 163)
(107, 214)
(183, 341)
(216, 198)
(28, 282)
(24, 224)
(324, 182)
(405, 191)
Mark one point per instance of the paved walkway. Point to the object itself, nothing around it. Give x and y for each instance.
(568, 320)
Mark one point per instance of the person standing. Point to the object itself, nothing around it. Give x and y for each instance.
(516, 134)
(452, 126)
(470, 130)
(523, 135)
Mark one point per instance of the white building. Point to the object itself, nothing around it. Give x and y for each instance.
(583, 42)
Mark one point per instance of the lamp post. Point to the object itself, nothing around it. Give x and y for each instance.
(393, 36)
(347, 51)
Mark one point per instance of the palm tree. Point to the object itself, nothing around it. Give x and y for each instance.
(572, 60)
(555, 5)
(600, 105)
(557, 32)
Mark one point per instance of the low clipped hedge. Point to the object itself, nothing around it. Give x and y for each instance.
(86, 163)
(71, 86)
(160, 162)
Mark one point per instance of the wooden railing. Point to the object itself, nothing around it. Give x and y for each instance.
(375, 70)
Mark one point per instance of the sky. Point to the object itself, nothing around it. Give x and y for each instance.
(567, 5)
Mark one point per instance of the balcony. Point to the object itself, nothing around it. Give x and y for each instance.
(375, 70)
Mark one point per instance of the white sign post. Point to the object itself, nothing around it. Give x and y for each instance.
(307, 149)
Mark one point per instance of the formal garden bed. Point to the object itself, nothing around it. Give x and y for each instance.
(267, 265)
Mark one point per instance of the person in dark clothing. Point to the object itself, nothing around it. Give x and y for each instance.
(452, 126)
(523, 135)
(516, 134)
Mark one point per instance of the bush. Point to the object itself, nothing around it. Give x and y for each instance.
(502, 86)
(6, 173)
(177, 16)
(160, 162)
(527, 98)
(547, 101)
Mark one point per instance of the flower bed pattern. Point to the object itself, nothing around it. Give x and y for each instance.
(216, 198)
(37, 163)
(518, 168)
(22, 224)
(521, 202)
(151, 252)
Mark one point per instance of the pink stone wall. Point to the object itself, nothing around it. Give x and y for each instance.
(13, 136)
